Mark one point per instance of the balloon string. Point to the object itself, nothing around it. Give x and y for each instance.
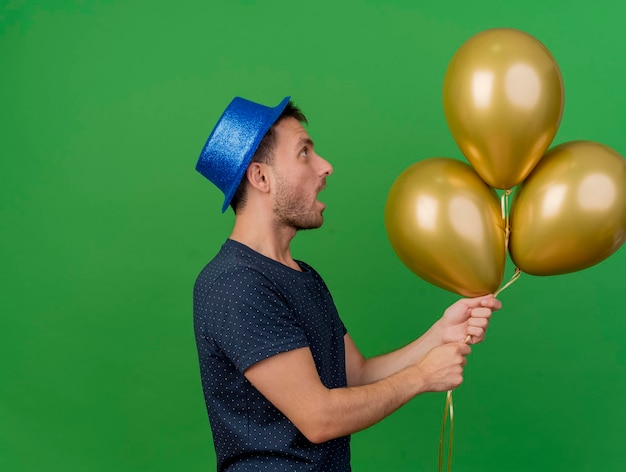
(506, 216)
(504, 204)
(448, 409)
(516, 275)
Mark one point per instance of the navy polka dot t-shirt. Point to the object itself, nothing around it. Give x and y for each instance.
(248, 307)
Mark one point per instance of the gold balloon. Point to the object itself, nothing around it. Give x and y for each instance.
(503, 101)
(571, 211)
(445, 225)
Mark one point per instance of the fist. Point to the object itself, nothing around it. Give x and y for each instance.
(442, 367)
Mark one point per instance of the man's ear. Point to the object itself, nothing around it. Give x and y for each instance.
(256, 173)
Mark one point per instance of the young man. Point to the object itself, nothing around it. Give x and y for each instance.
(285, 386)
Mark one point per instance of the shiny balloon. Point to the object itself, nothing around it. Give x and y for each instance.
(571, 211)
(503, 101)
(445, 225)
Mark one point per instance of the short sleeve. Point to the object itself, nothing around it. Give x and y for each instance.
(255, 322)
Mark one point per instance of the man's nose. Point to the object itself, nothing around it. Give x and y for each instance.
(326, 167)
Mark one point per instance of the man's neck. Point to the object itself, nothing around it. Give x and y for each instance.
(265, 237)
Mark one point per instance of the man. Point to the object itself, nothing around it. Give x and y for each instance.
(285, 386)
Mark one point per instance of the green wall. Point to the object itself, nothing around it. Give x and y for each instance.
(104, 224)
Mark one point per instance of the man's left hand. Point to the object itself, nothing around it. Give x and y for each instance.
(467, 319)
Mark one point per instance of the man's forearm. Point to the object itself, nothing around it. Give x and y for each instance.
(290, 381)
(366, 371)
(344, 411)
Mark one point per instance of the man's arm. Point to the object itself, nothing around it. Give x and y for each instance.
(466, 317)
(291, 383)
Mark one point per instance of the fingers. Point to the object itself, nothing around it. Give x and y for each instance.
(475, 335)
(453, 352)
(490, 302)
(480, 313)
(458, 359)
(462, 348)
(487, 301)
(477, 325)
(479, 320)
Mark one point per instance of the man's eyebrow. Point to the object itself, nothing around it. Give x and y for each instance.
(305, 142)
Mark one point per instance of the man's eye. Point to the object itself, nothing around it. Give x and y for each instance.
(304, 152)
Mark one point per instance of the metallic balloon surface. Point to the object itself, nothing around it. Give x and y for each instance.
(445, 225)
(570, 213)
(503, 102)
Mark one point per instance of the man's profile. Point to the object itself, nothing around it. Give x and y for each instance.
(284, 383)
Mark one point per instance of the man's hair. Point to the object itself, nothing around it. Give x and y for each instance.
(265, 152)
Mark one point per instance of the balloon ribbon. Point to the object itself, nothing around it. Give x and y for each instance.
(448, 409)
(504, 204)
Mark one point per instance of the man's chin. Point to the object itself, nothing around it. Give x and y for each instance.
(310, 224)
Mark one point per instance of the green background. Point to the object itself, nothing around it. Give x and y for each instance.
(104, 225)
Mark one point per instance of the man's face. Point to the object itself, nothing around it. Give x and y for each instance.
(300, 175)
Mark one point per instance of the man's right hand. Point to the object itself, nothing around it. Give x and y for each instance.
(442, 368)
